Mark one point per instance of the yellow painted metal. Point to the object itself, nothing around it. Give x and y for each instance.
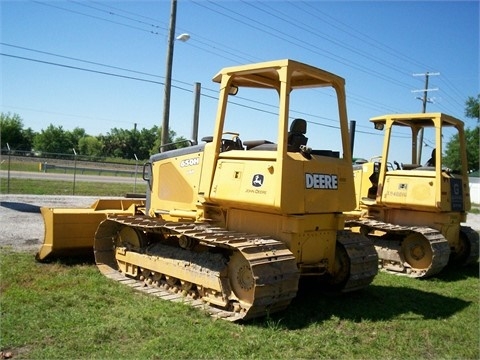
(301, 198)
(168, 267)
(416, 195)
(418, 189)
(270, 214)
(311, 238)
(437, 186)
(70, 231)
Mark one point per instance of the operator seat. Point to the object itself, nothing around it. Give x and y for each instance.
(234, 144)
(431, 161)
(296, 135)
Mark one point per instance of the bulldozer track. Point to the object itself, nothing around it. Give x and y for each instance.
(473, 243)
(273, 267)
(390, 252)
(363, 260)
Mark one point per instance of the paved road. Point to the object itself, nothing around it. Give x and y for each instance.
(69, 177)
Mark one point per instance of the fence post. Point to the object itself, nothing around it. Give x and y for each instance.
(135, 180)
(74, 169)
(8, 172)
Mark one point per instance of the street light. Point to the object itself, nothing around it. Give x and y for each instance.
(168, 75)
(183, 37)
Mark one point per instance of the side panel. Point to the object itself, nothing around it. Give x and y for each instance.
(410, 189)
(416, 189)
(365, 177)
(247, 183)
(358, 182)
(457, 195)
(175, 182)
(317, 185)
(325, 184)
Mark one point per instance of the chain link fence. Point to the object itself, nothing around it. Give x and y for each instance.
(23, 172)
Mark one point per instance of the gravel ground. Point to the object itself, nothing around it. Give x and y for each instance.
(22, 225)
(21, 222)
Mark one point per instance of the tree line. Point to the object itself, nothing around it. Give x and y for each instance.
(117, 143)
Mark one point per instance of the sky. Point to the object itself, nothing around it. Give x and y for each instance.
(100, 65)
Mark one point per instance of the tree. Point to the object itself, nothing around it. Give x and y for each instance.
(13, 134)
(117, 143)
(54, 140)
(451, 158)
(472, 107)
(146, 141)
(75, 135)
(90, 146)
(177, 142)
(130, 143)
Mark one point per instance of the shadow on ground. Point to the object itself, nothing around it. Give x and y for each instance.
(374, 303)
(21, 207)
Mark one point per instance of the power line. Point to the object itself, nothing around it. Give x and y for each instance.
(77, 59)
(189, 90)
(104, 4)
(205, 45)
(96, 17)
(84, 69)
(234, 52)
(177, 87)
(237, 53)
(298, 42)
(111, 13)
(287, 18)
(356, 33)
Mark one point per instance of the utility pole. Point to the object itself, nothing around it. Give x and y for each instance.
(168, 74)
(424, 99)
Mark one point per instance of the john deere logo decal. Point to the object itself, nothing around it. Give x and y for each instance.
(257, 180)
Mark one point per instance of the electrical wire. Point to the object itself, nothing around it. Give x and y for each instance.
(234, 52)
(96, 17)
(257, 25)
(297, 42)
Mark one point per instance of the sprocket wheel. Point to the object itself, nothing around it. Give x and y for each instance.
(342, 267)
(241, 278)
(417, 251)
(130, 238)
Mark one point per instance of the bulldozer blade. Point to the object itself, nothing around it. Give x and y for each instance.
(70, 232)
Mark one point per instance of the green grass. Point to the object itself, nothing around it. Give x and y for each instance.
(475, 209)
(67, 310)
(53, 187)
(20, 166)
(70, 311)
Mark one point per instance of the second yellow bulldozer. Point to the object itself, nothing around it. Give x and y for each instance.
(414, 212)
(231, 225)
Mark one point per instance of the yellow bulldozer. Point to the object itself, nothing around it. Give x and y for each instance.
(414, 211)
(231, 225)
